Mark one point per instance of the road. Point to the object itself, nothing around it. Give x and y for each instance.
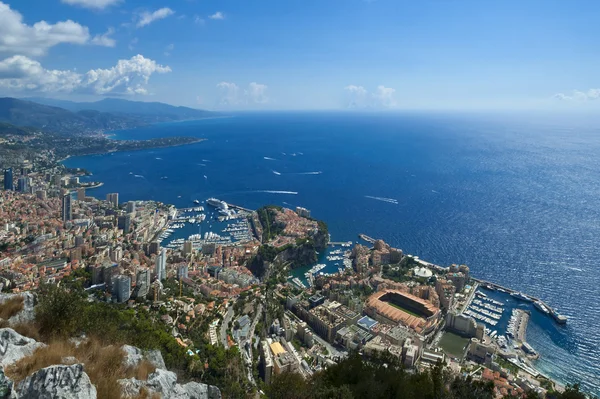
(248, 341)
(225, 324)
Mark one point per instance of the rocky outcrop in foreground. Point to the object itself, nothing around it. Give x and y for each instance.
(71, 382)
(66, 382)
(164, 383)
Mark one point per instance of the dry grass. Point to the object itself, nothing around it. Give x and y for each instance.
(30, 330)
(144, 394)
(11, 307)
(103, 364)
(141, 371)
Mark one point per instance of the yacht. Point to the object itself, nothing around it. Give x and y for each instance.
(521, 296)
(540, 306)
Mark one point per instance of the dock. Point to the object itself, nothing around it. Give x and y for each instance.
(367, 238)
(522, 320)
(560, 319)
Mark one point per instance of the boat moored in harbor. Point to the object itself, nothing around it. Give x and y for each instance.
(521, 296)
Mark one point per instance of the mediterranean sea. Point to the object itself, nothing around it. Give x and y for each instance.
(514, 197)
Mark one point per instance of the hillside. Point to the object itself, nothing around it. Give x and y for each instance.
(148, 111)
(26, 113)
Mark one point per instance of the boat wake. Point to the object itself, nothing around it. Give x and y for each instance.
(201, 164)
(277, 192)
(309, 173)
(270, 159)
(276, 172)
(205, 160)
(383, 199)
(433, 191)
(140, 176)
(160, 159)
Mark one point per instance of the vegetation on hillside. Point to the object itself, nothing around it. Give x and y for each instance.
(385, 378)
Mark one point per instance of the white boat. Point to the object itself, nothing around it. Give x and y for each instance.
(540, 306)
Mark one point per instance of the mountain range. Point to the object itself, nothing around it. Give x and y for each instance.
(81, 118)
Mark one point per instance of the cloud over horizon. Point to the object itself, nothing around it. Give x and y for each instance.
(231, 95)
(576, 95)
(20, 73)
(359, 97)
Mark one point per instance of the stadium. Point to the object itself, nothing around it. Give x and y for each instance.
(397, 307)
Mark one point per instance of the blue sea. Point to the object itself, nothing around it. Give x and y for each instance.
(515, 197)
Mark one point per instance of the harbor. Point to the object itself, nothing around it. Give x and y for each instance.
(216, 223)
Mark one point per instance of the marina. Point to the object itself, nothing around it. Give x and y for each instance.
(217, 223)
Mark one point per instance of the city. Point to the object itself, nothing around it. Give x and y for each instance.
(242, 291)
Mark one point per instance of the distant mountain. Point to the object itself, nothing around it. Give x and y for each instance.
(7, 128)
(86, 118)
(27, 113)
(148, 111)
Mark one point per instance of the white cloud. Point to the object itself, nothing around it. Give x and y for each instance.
(20, 73)
(146, 18)
(217, 15)
(105, 39)
(229, 93)
(16, 37)
(384, 96)
(97, 4)
(576, 95)
(257, 93)
(359, 97)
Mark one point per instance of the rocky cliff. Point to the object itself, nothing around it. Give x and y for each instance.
(69, 379)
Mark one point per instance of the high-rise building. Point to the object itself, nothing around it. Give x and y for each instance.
(116, 254)
(67, 211)
(57, 180)
(113, 198)
(81, 194)
(153, 248)
(131, 207)
(124, 223)
(123, 288)
(182, 272)
(161, 265)
(23, 184)
(303, 212)
(8, 179)
(143, 283)
(79, 241)
(41, 194)
(187, 247)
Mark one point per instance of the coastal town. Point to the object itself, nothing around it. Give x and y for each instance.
(269, 282)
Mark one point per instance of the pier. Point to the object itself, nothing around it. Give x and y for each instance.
(367, 238)
(522, 320)
(553, 313)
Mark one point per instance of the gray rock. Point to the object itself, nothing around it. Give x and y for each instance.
(164, 383)
(14, 346)
(133, 355)
(155, 357)
(65, 382)
(27, 314)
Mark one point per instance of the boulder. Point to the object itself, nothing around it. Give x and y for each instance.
(65, 382)
(14, 346)
(133, 356)
(27, 314)
(155, 357)
(164, 383)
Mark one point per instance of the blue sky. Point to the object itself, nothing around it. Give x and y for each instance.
(312, 54)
